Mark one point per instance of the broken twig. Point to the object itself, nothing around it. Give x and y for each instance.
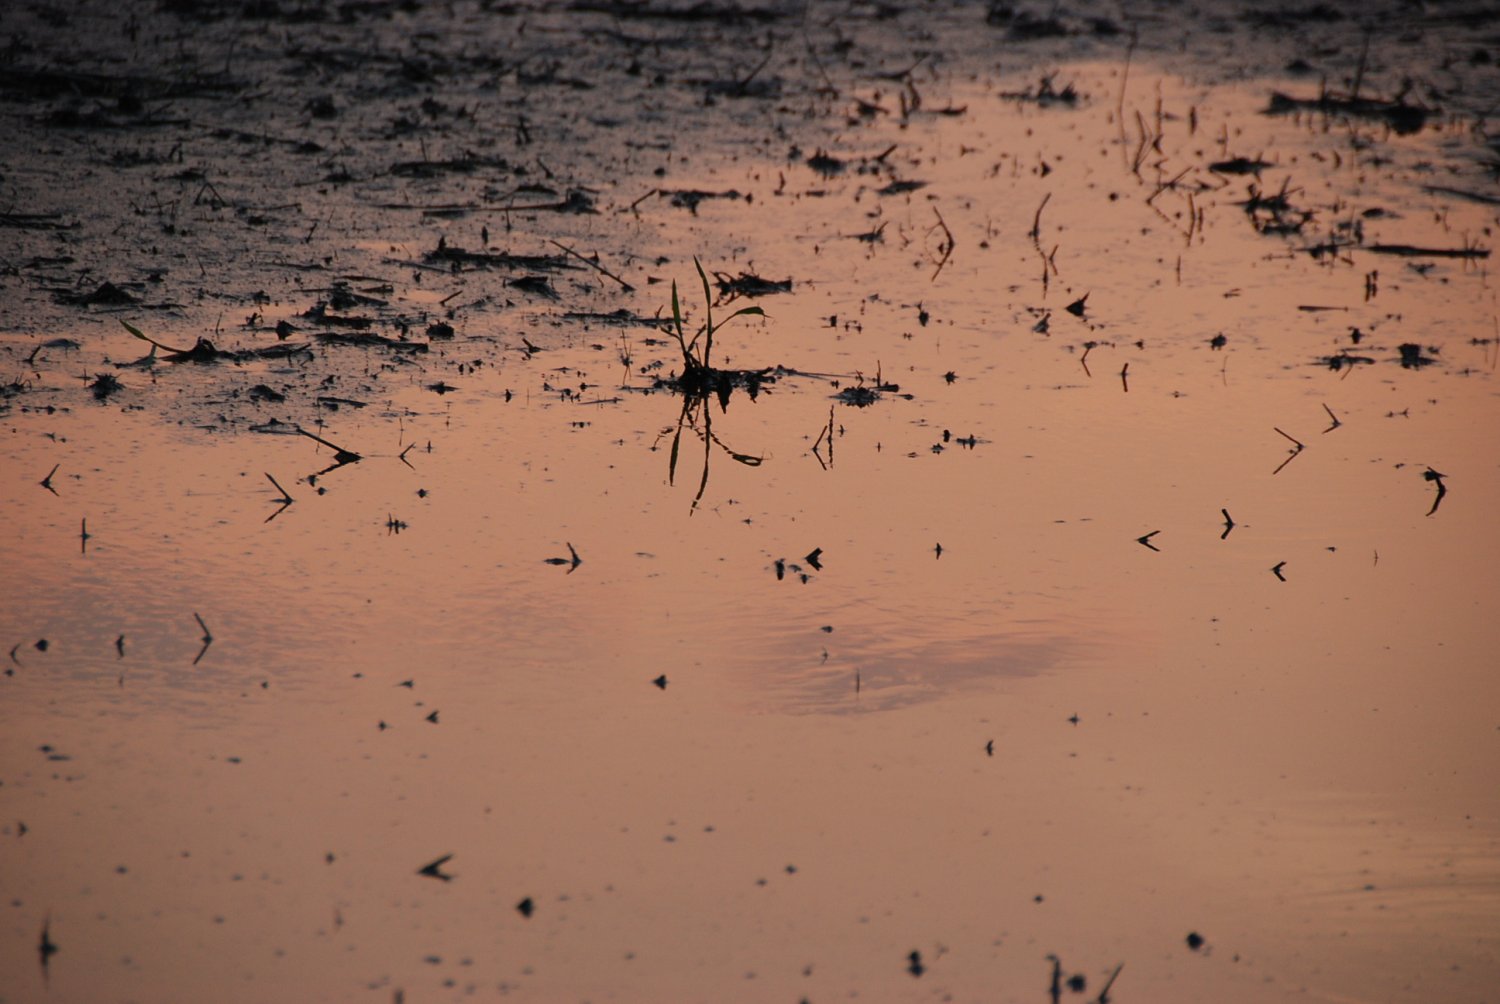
(341, 456)
(591, 263)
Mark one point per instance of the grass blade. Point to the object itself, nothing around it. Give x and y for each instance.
(753, 311)
(708, 305)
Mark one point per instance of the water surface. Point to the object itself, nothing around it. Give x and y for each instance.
(1033, 695)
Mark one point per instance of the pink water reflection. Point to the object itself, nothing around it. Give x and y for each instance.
(1299, 767)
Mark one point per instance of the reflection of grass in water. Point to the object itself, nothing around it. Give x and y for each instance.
(700, 380)
(697, 415)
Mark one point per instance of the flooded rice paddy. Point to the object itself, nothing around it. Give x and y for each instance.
(1078, 584)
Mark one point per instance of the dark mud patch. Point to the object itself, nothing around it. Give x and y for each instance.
(1404, 119)
(281, 175)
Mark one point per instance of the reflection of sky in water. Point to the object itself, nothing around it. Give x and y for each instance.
(1302, 768)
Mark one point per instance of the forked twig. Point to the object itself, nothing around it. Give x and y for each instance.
(286, 496)
(285, 500)
(825, 434)
(1297, 447)
(208, 639)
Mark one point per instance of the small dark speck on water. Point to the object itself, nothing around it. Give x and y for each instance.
(47, 948)
(1194, 940)
(915, 966)
(42, 645)
(526, 906)
(661, 682)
